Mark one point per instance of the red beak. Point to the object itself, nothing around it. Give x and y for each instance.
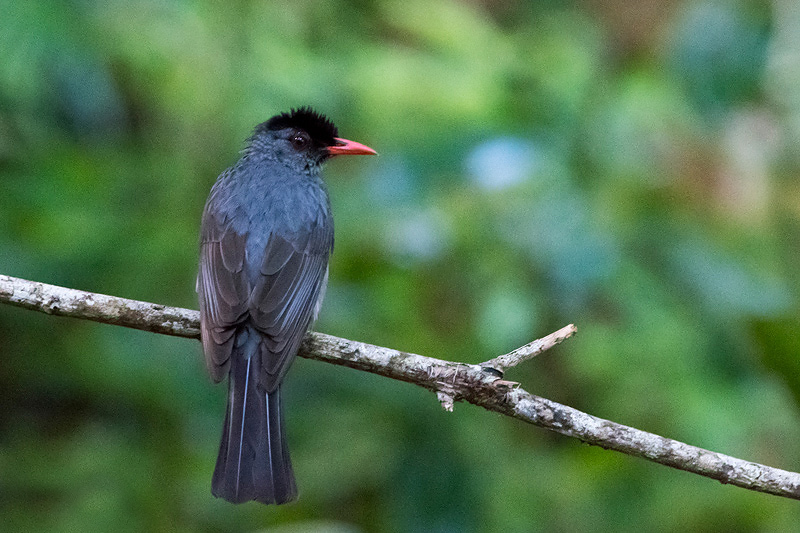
(345, 147)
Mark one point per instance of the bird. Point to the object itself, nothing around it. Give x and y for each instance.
(266, 236)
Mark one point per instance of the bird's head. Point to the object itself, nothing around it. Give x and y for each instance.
(302, 139)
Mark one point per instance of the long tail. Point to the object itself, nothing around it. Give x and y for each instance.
(253, 461)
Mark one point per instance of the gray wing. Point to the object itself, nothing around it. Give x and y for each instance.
(285, 299)
(280, 303)
(223, 291)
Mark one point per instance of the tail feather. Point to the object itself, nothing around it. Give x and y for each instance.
(253, 461)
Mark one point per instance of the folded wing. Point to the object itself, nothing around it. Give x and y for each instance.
(279, 302)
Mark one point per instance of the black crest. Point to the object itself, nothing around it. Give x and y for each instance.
(318, 126)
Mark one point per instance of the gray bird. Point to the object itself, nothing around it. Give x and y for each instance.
(265, 239)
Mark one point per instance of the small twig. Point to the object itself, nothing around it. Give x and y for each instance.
(530, 350)
(446, 399)
(471, 383)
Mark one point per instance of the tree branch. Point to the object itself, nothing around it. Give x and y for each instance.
(530, 350)
(451, 381)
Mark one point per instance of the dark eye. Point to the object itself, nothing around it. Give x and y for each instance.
(300, 141)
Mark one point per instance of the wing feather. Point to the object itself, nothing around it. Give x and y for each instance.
(283, 303)
(223, 292)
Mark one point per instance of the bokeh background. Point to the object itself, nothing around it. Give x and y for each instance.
(630, 167)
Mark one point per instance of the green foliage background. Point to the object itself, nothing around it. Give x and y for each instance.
(626, 166)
